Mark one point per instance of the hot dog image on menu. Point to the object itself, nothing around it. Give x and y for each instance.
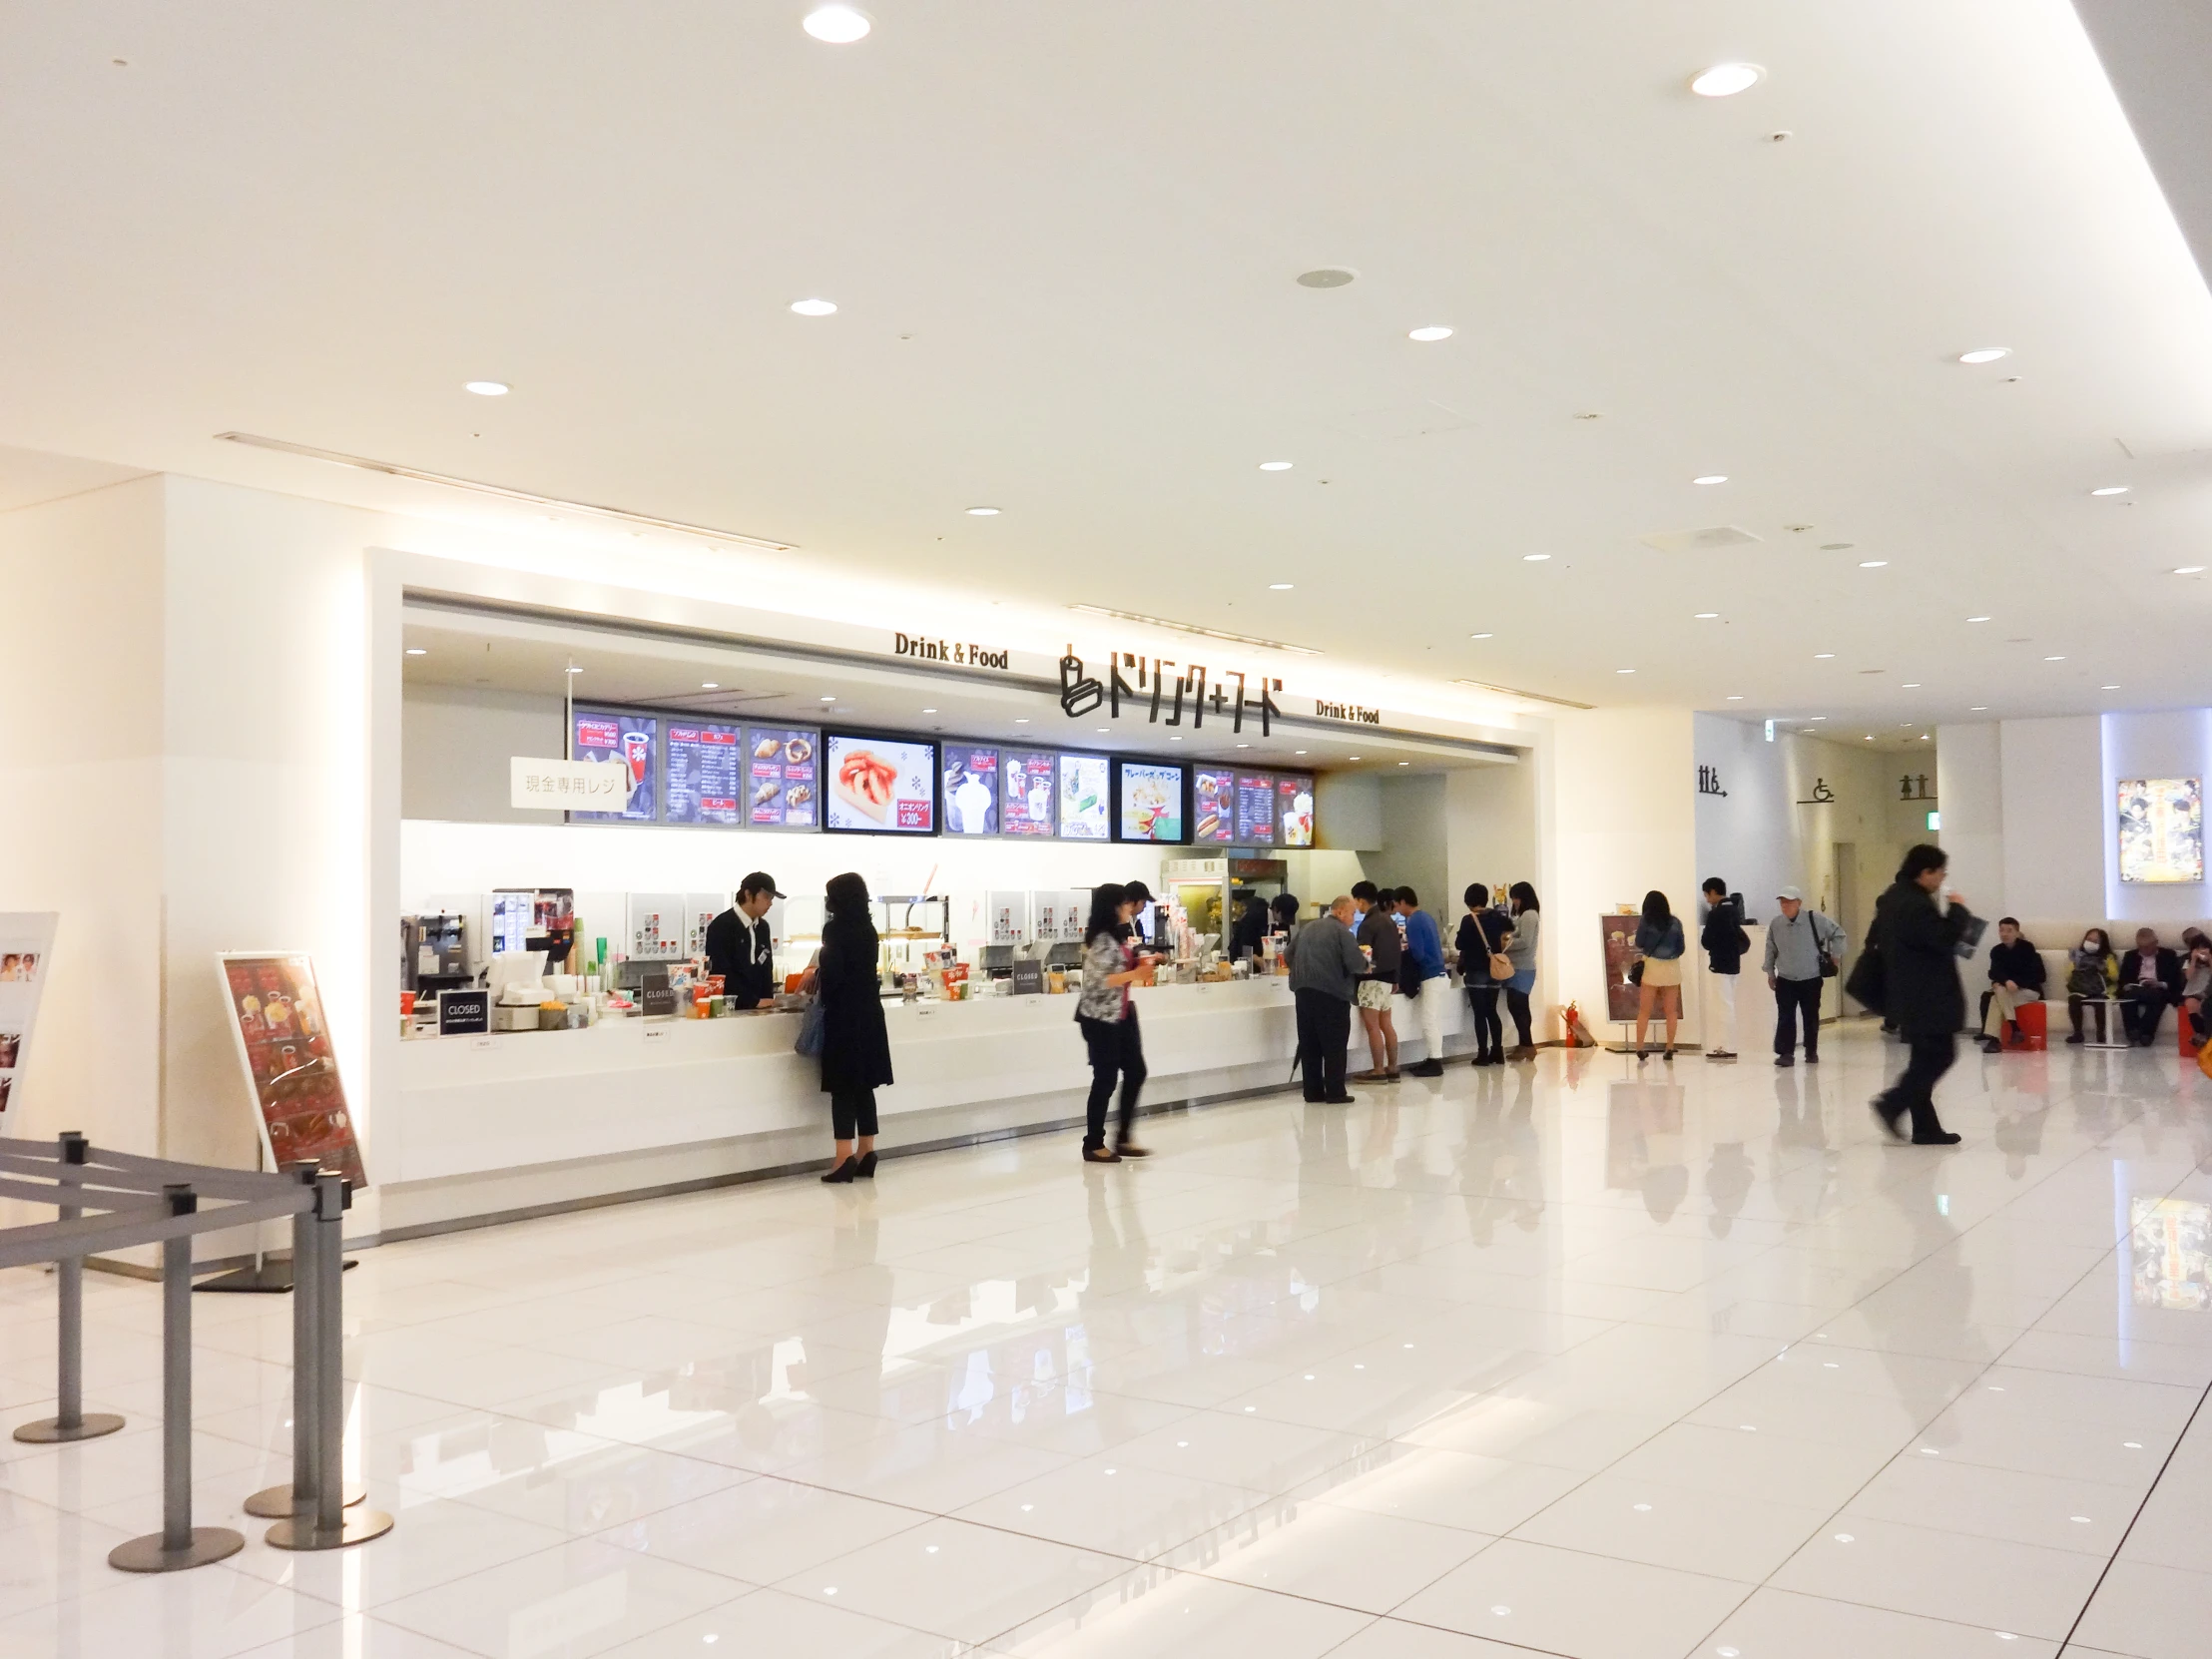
(881, 784)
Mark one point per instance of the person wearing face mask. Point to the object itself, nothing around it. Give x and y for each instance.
(2093, 975)
(2196, 984)
(1919, 943)
(2015, 979)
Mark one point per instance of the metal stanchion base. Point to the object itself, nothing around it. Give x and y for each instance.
(208, 1543)
(275, 1502)
(49, 1430)
(356, 1526)
(272, 1278)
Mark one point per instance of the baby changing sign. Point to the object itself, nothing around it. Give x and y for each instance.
(26, 959)
(283, 1039)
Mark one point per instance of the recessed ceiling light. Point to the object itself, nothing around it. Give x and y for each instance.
(1977, 619)
(1711, 479)
(830, 698)
(1871, 564)
(1624, 670)
(1278, 587)
(487, 388)
(814, 307)
(1275, 466)
(837, 25)
(1816, 717)
(1912, 684)
(928, 711)
(1735, 697)
(1985, 353)
(2110, 489)
(1298, 752)
(1535, 558)
(2054, 659)
(1821, 655)
(416, 651)
(982, 512)
(1434, 331)
(1405, 763)
(2188, 570)
(1478, 636)
(1870, 737)
(1978, 709)
(1328, 277)
(1176, 739)
(1704, 616)
(1240, 746)
(1351, 757)
(1725, 80)
(2109, 687)
(1021, 720)
(1838, 546)
(1924, 737)
(709, 685)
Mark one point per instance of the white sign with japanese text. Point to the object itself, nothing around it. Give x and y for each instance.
(573, 786)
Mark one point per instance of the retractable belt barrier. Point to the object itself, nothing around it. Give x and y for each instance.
(138, 1201)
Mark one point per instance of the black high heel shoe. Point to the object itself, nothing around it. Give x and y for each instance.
(842, 1175)
(866, 1169)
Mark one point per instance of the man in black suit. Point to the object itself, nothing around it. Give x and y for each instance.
(2150, 980)
(739, 946)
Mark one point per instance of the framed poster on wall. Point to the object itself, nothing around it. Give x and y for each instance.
(26, 959)
(2161, 831)
(284, 1041)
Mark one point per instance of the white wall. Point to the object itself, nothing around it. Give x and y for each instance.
(1413, 850)
(1489, 829)
(2049, 781)
(456, 740)
(1348, 812)
(1969, 780)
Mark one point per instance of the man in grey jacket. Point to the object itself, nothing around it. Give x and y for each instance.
(1326, 970)
(1797, 941)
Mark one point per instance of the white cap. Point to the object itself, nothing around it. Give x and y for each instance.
(1792, 894)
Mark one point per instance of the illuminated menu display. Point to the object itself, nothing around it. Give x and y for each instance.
(882, 784)
(1031, 781)
(782, 777)
(1151, 801)
(634, 739)
(1294, 801)
(1083, 801)
(970, 791)
(705, 771)
(1213, 808)
(1255, 809)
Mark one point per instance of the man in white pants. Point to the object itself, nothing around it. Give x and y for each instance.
(1725, 942)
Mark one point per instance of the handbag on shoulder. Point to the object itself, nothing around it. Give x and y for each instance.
(808, 1041)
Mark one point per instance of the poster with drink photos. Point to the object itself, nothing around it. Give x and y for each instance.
(26, 956)
(283, 1039)
(634, 739)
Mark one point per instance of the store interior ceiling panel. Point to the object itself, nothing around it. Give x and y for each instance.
(1064, 243)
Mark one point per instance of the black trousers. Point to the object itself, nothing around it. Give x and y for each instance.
(1794, 998)
(1914, 1091)
(1516, 1004)
(852, 1111)
(2141, 1008)
(1117, 1051)
(1323, 1028)
(1489, 1033)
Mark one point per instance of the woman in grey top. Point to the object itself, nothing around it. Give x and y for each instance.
(1520, 949)
(1109, 1020)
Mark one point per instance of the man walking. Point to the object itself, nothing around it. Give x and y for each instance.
(1798, 943)
(1326, 970)
(1725, 942)
(1425, 950)
(739, 946)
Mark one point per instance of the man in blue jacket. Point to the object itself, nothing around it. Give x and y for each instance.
(1424, 980)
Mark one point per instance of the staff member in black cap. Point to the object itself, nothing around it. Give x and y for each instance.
(739, 947)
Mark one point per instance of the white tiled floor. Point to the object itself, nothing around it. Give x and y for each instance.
(1568, 1358)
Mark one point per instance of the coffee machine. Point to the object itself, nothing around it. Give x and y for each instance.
(433, 953)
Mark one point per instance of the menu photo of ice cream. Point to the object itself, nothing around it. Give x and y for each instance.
(1031, 783)
(970, 791)
(604, 735)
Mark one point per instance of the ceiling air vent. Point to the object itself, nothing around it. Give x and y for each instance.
(1713, 540)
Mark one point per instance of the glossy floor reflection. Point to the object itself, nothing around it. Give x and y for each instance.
(1571, 1358)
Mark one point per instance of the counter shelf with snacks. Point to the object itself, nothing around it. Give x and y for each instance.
(483, 1127)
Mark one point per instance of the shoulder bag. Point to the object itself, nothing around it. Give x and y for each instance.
(808, 1041)
(1826, 956)
(1501, 965)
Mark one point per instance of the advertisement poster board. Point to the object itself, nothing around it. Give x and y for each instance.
(1083, 797)
(2161, 831)
(1213, 808)
(635, 741)
(284, 1041)
(1294, 799)
(1619, 935)
(1255, 809)
(705, 771)
(1032, 783)
(881, 786)
(1150, 796)
(782, 777)
(26, 959)
(970, 791)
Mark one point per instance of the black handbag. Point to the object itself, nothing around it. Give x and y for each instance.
(1869, 982)
(1636, 971)
(1828, 958)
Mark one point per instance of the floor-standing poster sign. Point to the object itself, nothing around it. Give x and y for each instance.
(26, 953)
(283, 1039)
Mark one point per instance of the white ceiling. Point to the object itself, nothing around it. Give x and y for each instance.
(1063, 241)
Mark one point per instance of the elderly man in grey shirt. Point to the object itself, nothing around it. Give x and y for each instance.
(1796, 942)
(1326, 970)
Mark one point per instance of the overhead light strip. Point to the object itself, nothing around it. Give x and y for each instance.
(1194, 628)
(392, 469)
(1534, 697)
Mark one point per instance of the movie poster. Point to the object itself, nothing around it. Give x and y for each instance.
(284, 1038)
(26, 959)
(2162, 829)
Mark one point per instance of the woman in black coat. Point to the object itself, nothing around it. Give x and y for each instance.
(855, 1050)
(1921, 996)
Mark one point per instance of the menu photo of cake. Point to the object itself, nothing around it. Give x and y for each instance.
(881, 786)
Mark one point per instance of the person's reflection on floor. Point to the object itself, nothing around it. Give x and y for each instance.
(1934, 1296)
(865, 1289)
(1479, 1160)
(1520, 1165)
(1643, 1145)
(1728, 1178)
(1801, 1166)
(2020, 1129)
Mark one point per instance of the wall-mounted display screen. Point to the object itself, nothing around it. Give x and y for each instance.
(1293, 817)
(887, 786)
(970, 791)
(782, 777)
(1255, 809)
(1083, 797)
(1027, 793)
(1213, 808)
(634, 739)
(705, 771)
(2162, 829)
(1148, 802)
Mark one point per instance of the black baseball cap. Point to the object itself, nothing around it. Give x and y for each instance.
(1138, 891)
(760, 881)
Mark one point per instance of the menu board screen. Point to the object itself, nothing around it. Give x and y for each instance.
(1083, 780)
(882, 784)
(1294, 799)
(970, 791)
(782, 777)
(1150, 799)
(1026, 799)
(603, 734)
(703, 773)
(1214, 808)
(1255, 809)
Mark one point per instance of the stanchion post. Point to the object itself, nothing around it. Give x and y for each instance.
(68, 1422)
(178, 1543)
(275, 1502)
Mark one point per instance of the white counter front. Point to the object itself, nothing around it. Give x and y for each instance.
(492, 1127)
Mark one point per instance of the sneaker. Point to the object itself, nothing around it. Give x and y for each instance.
(1943, 1137)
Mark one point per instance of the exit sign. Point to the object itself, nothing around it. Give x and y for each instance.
(1934, 821)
